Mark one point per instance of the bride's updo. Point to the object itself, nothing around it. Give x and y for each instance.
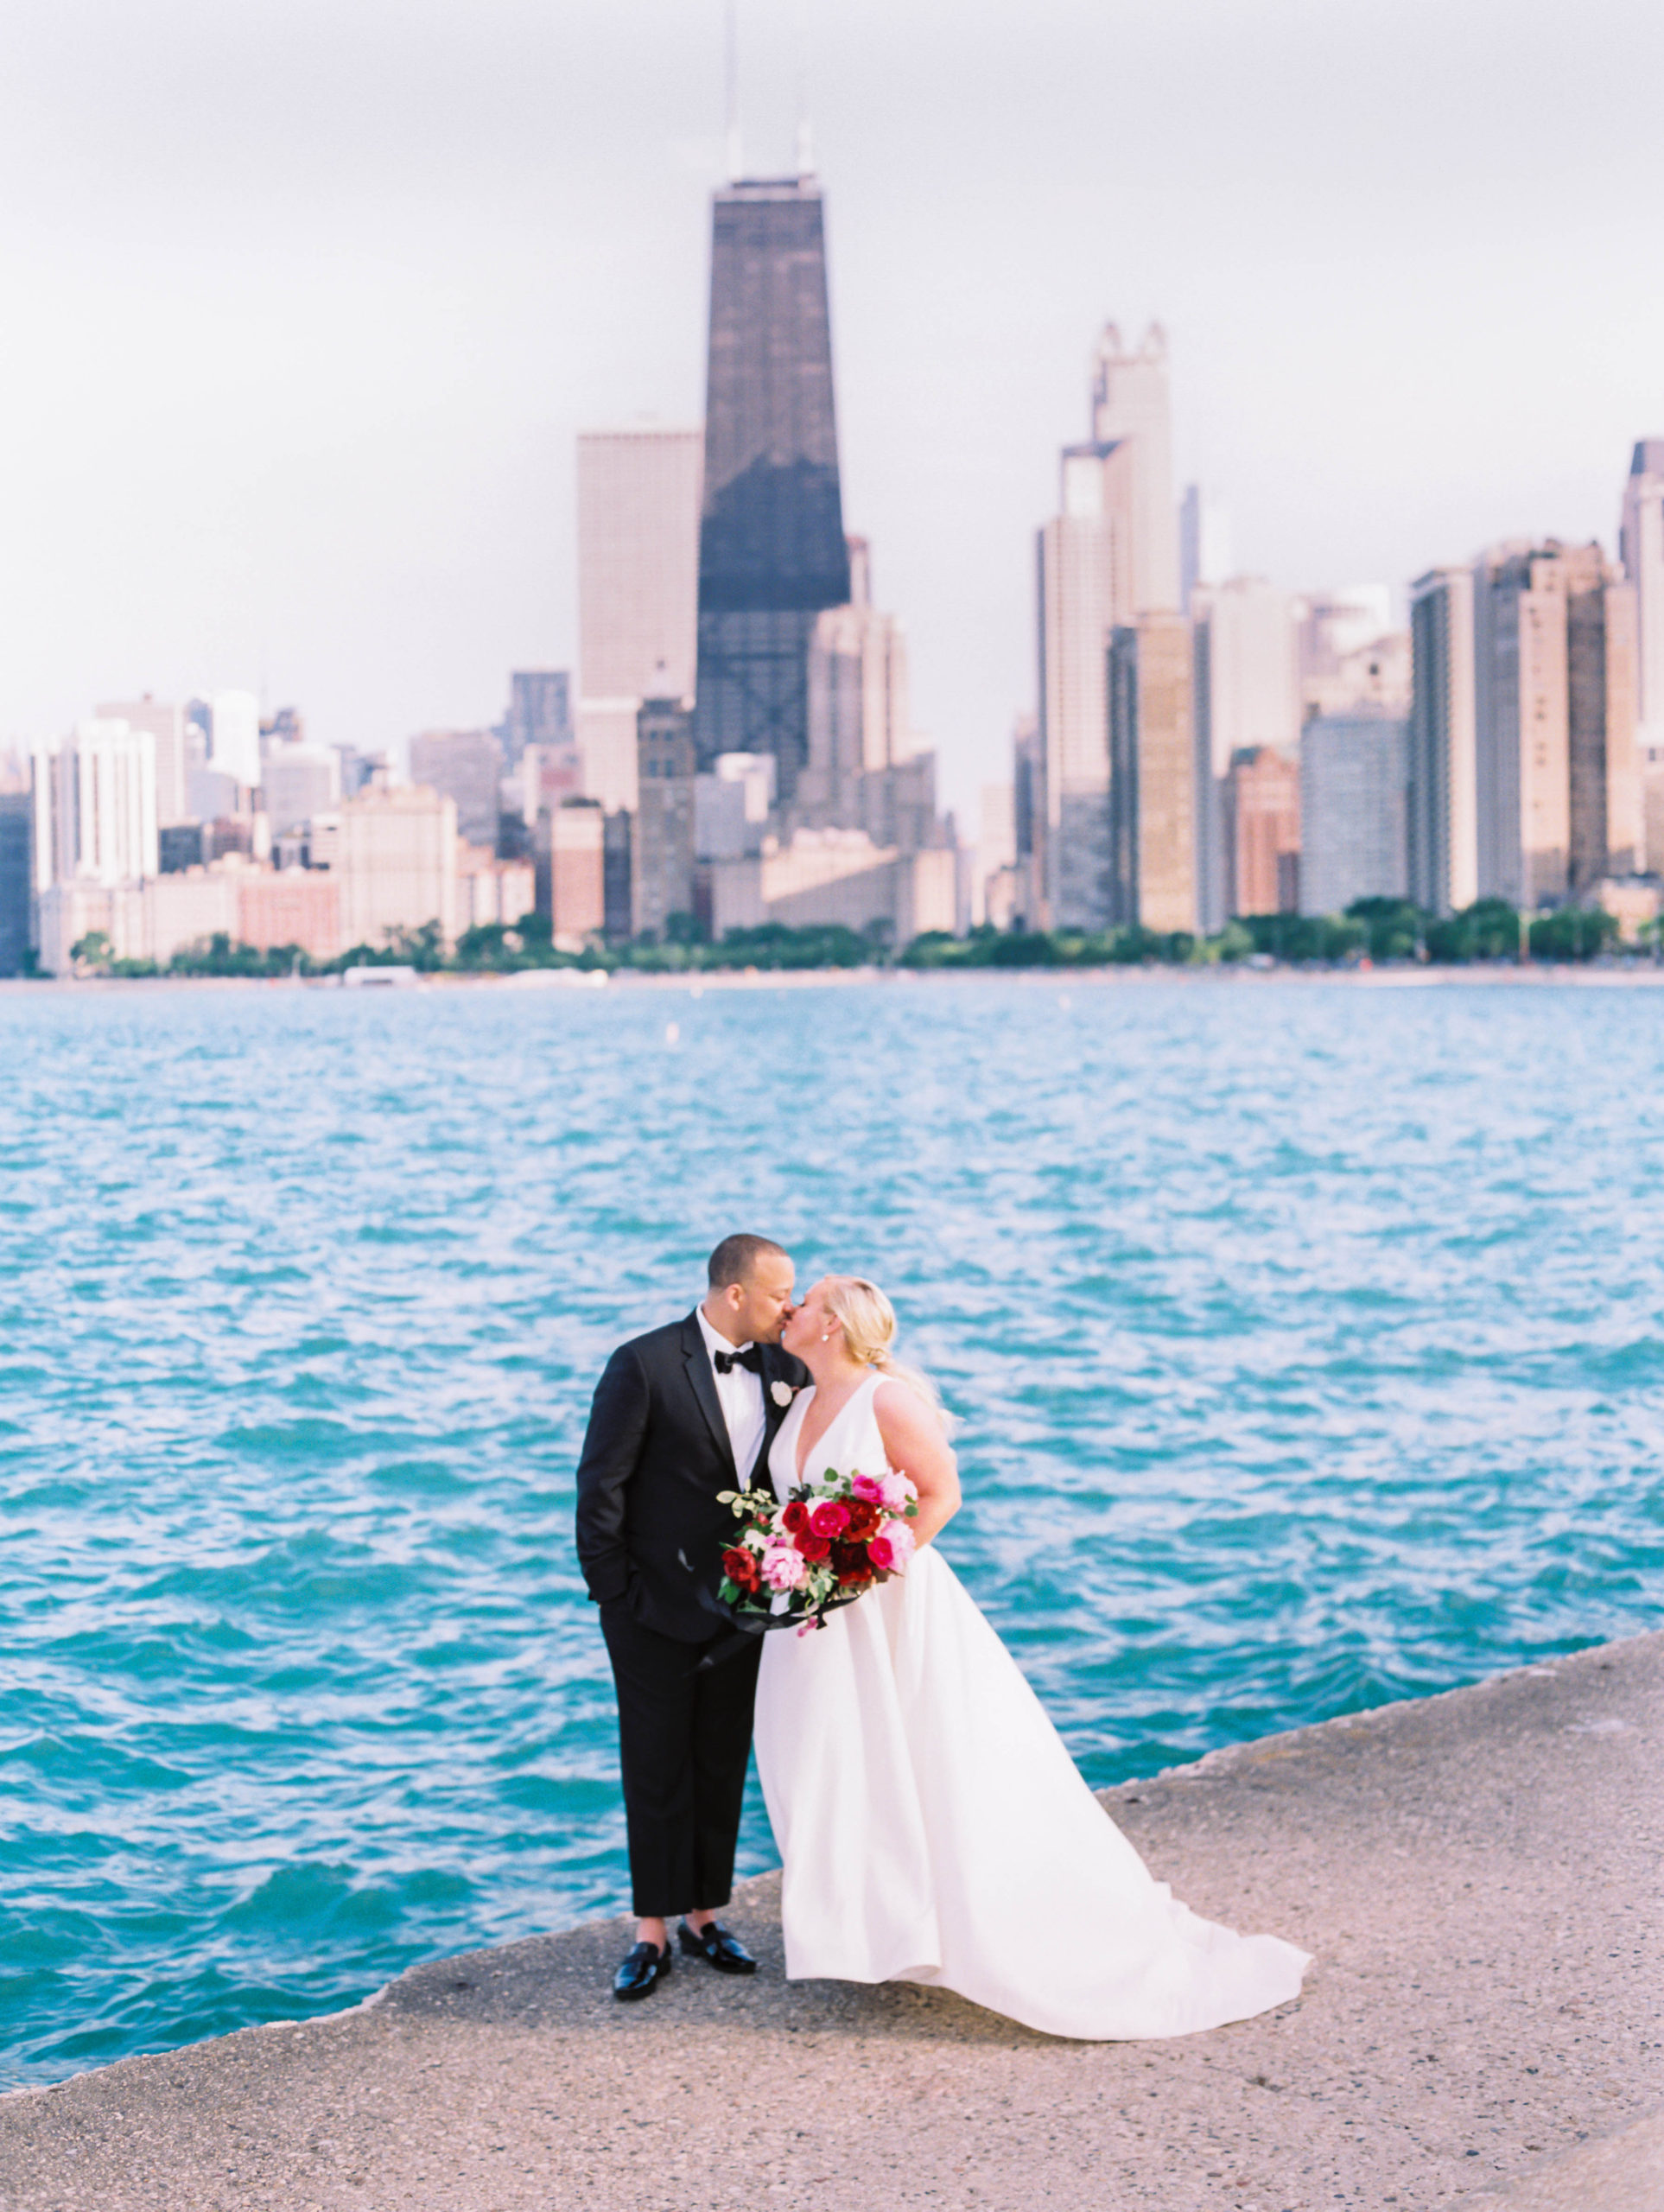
(868, 1322)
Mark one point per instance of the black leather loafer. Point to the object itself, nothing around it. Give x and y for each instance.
(642, 1971)
(717, 1946)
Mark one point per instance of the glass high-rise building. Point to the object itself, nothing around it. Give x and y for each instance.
(15, 884)
(771, 549)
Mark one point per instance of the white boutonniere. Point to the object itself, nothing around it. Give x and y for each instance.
(782, 1393)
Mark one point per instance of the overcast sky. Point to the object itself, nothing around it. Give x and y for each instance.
(305, 301)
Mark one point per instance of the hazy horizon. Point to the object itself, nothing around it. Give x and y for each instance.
(311, 304)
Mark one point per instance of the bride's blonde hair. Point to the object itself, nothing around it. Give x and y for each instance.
(868, 1322)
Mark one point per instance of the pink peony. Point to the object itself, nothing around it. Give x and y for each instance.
(784, 1567)
(871, 1487)
(896, 1492)
(902, 1541)
(829, 1519)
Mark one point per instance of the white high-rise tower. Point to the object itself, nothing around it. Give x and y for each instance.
(637, 591)
(1640, 539)
(1130, 401)
(1641, 543)
(1110, 556)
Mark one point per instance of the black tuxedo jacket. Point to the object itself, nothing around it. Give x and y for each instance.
(656, 1454)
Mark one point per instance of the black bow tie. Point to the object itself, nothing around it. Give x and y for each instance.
(728, 1361)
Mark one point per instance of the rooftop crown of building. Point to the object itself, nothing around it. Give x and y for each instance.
(770, 187)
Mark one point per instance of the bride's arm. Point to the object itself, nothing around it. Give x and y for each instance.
(915, 1446)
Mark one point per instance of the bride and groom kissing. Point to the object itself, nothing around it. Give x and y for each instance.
(916, 1789)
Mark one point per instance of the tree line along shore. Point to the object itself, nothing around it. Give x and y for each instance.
(1375, 931)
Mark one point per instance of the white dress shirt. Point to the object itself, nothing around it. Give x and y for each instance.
(740, 1394)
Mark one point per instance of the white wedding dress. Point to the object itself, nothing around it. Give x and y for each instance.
(934, 1829)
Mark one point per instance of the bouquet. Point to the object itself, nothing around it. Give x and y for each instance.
(828, 1543)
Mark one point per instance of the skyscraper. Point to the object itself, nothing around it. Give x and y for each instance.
(166, 726)
(16, 808)
(1153, 775)
(1641, 540)
(1081, 589)
(1109, 557)
(1600, 654)
(1557, 785)
(866, 769)
(95, 806)
(1523, 772)
(1352, 791)
(1246, 697)
(1130, 406)
(1441, 789)
(661, 857)
(772, 550)
(638, 593)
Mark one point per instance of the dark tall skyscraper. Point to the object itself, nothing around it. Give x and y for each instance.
(772, 552)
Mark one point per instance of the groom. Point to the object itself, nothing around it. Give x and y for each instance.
(680, 1414)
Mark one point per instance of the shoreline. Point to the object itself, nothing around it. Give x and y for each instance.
(1475, 1872)
(1646, 976)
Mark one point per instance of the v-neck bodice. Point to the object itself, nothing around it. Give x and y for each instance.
(852, 1441)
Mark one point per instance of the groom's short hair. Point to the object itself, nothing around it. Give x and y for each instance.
(736, 1259)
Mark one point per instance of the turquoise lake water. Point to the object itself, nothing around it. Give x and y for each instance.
(1305, 1337)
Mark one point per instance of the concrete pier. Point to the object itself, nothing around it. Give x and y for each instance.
(1479, 1874)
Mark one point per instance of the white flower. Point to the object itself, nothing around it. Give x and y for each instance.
(782, 1393)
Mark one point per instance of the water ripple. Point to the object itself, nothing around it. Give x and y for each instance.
(1304, 1339)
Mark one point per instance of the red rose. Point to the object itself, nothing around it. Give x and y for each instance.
(881, 1553)
(850, 1565)
(813, 1547)
(864, 1520)
(738, 1566)
(829, 1518)
(795, 1518)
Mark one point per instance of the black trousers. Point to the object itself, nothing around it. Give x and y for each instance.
(683, 1741)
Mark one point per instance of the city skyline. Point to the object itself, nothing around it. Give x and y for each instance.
(279, 464)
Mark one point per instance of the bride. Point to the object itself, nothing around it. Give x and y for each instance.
(932, 1825)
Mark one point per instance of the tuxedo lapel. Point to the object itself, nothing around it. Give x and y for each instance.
(773, 1412)
(704, 1388)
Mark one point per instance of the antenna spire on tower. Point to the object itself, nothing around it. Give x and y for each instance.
(732, 89)
(805, 128)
